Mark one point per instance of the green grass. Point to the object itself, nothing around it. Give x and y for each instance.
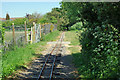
(13, 60)
(72, 37)
(51, 36)
(75, 47)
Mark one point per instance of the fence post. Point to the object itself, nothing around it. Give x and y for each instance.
(31, 36)
(36, 35)
(34, 32)
(13, 33)
(40, 29)
(25, 33)
(27, 36)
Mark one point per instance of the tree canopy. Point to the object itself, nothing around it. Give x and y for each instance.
(7, 17)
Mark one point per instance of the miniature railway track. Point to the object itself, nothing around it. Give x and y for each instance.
(49, 65)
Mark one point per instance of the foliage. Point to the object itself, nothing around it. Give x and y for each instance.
(35, 17)
(53, 15)
(99, 39)
(100, 53)
(7, 17)
(57, 15)
(2, 32)
(17, 22)
(76, 26)
(6, 23)
(42, 20)
(101, 13)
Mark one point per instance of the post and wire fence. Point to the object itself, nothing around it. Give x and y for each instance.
(17, 36)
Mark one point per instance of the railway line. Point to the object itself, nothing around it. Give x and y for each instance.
(48, 67)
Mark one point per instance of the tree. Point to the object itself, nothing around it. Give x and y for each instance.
(99, 37)
(57, 15)
(7, 17)
(100, 13)
(34, 17)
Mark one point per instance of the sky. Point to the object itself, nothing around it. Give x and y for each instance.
(19, 9)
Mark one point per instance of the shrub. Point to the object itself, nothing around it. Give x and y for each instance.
(76, 26)
(100, 52)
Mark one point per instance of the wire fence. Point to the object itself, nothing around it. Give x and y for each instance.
(17, 36)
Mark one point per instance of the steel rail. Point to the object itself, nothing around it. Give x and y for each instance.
(40, 74)
(53, 65)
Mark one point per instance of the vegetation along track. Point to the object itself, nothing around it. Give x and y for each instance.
(49, 65)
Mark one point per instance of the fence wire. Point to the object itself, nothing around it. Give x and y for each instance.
(33, 35)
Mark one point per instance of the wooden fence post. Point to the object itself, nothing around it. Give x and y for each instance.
(13, 33)
(25, 33)
(27, 36)
(40, 29)
(31, 36)
(33, 31)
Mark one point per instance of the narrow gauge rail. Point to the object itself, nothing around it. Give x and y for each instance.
(54, 59)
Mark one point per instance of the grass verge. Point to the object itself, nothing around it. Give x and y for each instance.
(74, 41)
(74, 46)
(13, 60)
(72, 37)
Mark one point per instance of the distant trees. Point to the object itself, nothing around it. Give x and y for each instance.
(57, 15)
(35, 17)
(7, 17)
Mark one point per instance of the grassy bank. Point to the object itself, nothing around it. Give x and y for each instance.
(72, 37)
(74, 46)
(14, 60)
(74, 42)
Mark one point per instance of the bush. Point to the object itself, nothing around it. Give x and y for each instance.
(76, 26)
(2, 32)
(100, 52)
